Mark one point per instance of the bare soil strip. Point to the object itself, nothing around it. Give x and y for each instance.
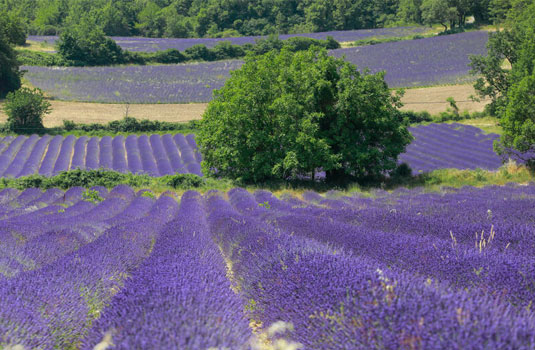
(431, 99)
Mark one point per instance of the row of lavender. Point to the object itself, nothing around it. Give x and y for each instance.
(401, 271)
(436, 146)
(155, 155)
(439, 146)
(436, 60)
(154, 44)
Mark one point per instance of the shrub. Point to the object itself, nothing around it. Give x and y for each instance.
(199, 52)
(184, 181)
(283, 115)
(25, 109)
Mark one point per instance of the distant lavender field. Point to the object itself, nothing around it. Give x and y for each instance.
(181, 83)
(436, 146)
(437, 60)
(156, 44)
(439, 146)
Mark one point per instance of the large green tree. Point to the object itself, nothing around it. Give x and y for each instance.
(283, 115)
(9, 68)
(507, 77)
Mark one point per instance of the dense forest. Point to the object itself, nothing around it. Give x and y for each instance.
(225, 18)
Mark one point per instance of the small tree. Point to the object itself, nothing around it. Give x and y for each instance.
(9, 68)
(283, 115)
(25, 109)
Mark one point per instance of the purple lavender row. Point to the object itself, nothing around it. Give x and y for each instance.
(147, 156)
(21, 157)
(160, 155)
(10, 152)
(51, 155)
(119, 155)
(339, 301)
(78, 157)
(34, 160)
(505, 275)
(65, 154)
(54, 306)
(51, 245)
(4, 143)
(132, 152)
(180, 290)
(172, 152)
(106, 156)
(92, 154)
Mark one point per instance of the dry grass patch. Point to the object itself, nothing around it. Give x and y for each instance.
(433, 99)
(87, 113)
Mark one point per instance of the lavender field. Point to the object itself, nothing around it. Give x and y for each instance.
(437, 60)
(439, 146)
(436, 146)
(140, 44)
(182, 83)
(422, 62)
(401, 270)
(155, 155)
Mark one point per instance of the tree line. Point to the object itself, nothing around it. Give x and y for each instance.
(225, 18)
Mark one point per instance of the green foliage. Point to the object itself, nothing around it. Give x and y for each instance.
(284, 115)
(416, 117)
(91, 196)
(130, 125)
(12, 28)
(87, 45)
(438, 11)
(518, 121)
(35, 58)
(148, 194)
(183, 181)
(217, 18)
(25, 109)
(9, 68)
(512, 89)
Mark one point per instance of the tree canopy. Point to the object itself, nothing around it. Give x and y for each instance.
(225, 18)
(9, 67)
(508, 79)
(86, 44)
(285, 115)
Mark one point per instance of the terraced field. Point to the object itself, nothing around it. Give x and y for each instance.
(436, 146)
(407, 269)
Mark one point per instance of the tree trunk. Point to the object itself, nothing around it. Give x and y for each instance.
(335, 175)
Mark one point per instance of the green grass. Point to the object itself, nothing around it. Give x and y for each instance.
(433, 181)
